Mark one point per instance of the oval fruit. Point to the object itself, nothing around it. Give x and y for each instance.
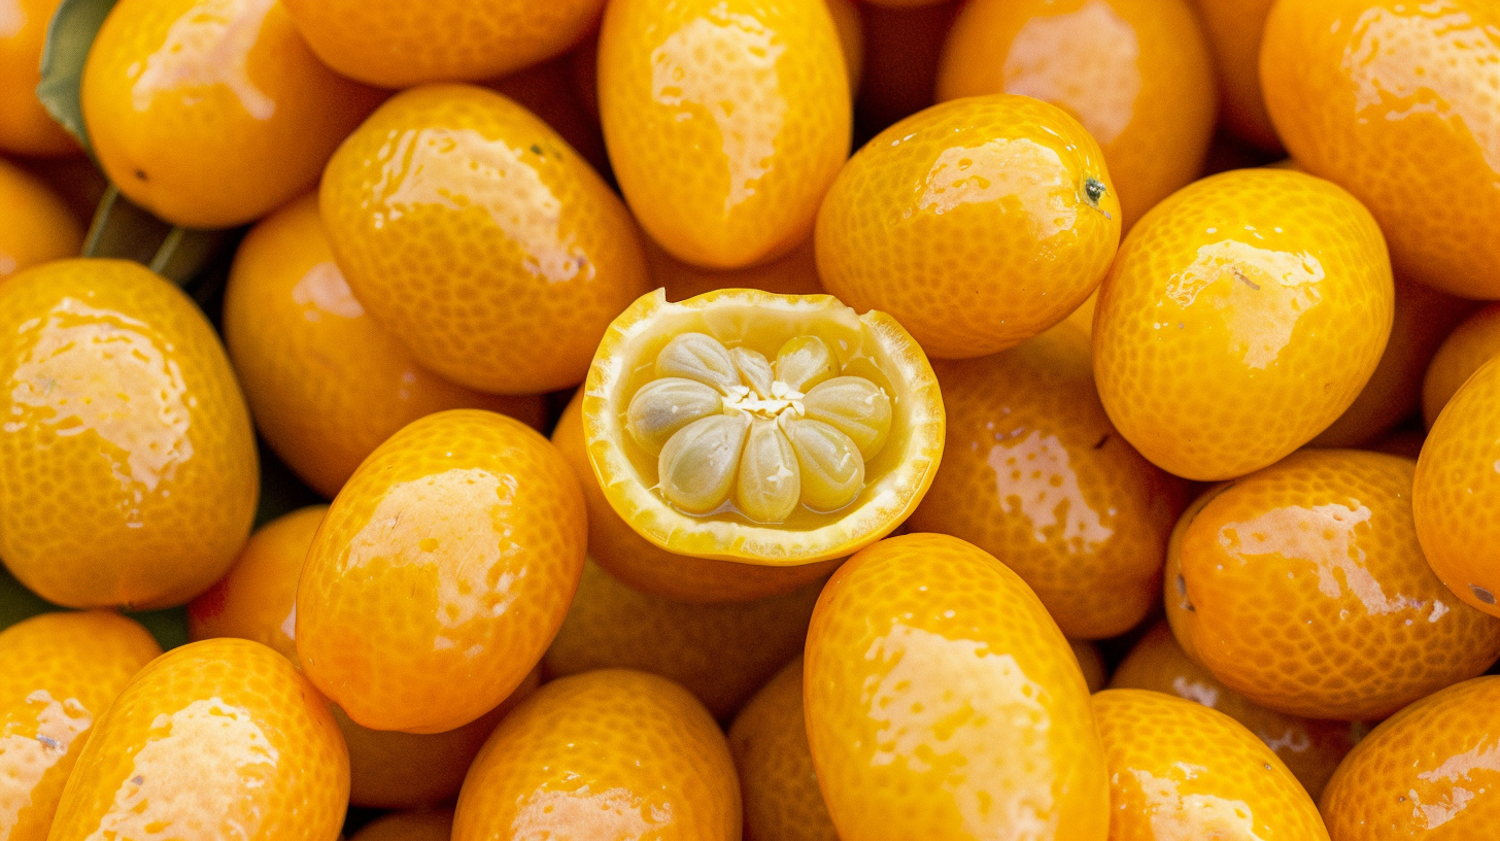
(777, 779)
(1465, 350)
(625, 754)
(707, 447)
(130, 460)
(977, 223)
(456, 194)
(1243, 315)
(213, 740)
(35, 224)
(441, 572)
(933, 714)
(25, 126)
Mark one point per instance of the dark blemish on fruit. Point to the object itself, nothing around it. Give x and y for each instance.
(1182, 591)
(535, 149)
(1482, 594)
(137, 780)
(141, 174)
(1245, 280)
(1267, 764)
(1095, 190)
(49, 742)
(1101, 442)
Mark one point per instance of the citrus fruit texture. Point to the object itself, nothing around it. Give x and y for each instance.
(441, 572)
(932, 714)
(1243, 315)
(130, 473)
(1135, 73)
(977, 223)
(1400, 104)
(521, 253)
(35, 224)
(623, 753)
(216, 739)
(778, 430)
(1307, 592)
(1464, 351)
(325, 384)
(62, 671)
(777, 780)
(25, 126)
(726, 120)
(211, 113)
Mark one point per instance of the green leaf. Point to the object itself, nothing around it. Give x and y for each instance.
(69, 37)
(124, 230)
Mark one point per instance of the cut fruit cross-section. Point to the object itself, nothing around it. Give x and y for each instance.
(770, 429)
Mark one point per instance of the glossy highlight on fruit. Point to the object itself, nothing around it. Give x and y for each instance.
(770, 429)
(325, 383)
(1457, 492)
(213, 740)
(35, 224)
(933, 714)
(130, 467)
(25, 126)
(605, 754)
(1180, 770)
(726, 120)
(61, 672)
(1034, 472)
(1429, 771)
(777, 779)
(441, 572)
(1135, 73)
(1306, 591)
(399, 44)
(1243, 316)
(519, 251)
(211, 113)
(977, 223)
(1399, 103)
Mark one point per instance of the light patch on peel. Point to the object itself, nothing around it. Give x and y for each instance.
(323, 290)
(1378, 61)
(1259, 293)
(1193, 690)
(458, 169)
(95, 371)
(208, 46)
(1178, 816)
(724, 64)
(1017, 173)
(33, 740)
(12, 18)
(1034, 478)
(1086, 61)
(189, 760)
(979, 737)
(456, 527)
(614, 813)
(1325, 536)
(1451, 798)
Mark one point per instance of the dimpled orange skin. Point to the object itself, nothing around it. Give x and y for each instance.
(25, 126)
(1464, 351)
(605, 754)
(61, 672)
(131, 473)
(972, 223)
(1136, 73)
(521, 253)
(1033, 472)
(931, 714)
(257, 601)
(721, 653)
(777, 779)
(1234, 28)
(548, 91)
(434, 825)
(1400, 103)
(216, 739)
(325, 383)
(35, 224)
(726, 120)
(1309, 593)
(1423, 317)
(795, 273)
(1181, 771)
(1458, 491)
(1242, 316)
(1311, 748)
(441, 572)
(211, 113)
(395, 44)
(1427, 772)
(643, 566)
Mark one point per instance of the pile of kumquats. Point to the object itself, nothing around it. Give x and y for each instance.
(786, 420)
